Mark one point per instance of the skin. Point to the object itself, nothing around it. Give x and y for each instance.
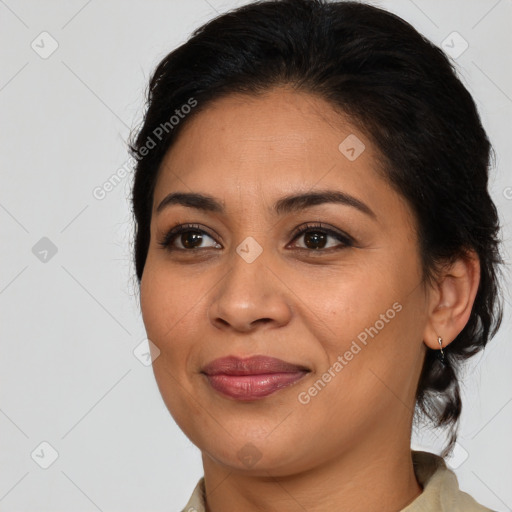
(303, 305)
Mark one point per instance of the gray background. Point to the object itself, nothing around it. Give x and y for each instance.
(70, 319)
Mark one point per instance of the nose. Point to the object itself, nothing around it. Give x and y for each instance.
(250, 296)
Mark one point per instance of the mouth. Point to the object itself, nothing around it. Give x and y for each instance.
(252, 378)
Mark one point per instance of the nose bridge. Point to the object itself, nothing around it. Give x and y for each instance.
(247, 280)
(249, 291)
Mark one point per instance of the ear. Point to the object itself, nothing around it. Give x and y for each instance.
(451, 300)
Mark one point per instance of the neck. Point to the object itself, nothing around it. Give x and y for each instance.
(360, 480)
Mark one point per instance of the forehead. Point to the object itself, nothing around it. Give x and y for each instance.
(284, 135)
(252, 150)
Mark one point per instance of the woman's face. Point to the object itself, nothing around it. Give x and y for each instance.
(342, 302)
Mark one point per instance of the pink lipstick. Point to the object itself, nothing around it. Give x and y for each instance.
(252, 378)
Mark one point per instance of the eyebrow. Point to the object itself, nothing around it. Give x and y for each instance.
(287, 204)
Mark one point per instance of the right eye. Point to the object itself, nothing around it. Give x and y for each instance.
(189, 236)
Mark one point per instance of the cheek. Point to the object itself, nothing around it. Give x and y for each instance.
(153, 302)
(166, 302)
(352, 299)
(371, 315)
(166, 311)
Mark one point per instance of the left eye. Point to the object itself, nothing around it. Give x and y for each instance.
(316, 238)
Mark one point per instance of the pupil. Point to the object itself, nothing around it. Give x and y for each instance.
(316, 238)
(188, 238)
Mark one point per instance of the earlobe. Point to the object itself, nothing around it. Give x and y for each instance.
(451, 300)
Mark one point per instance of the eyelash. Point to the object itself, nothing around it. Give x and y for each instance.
(346, 240)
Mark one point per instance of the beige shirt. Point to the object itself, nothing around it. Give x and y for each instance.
(441, 491)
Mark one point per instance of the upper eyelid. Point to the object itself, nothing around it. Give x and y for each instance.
(310, 226)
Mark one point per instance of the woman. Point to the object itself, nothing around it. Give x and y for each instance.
(317, 254)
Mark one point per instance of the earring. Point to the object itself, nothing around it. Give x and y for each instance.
(440, 355)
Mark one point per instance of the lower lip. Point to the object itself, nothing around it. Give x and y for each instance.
(252, 387)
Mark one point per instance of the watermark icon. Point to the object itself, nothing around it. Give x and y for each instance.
(44, 45)
(165, 128)
(304, 397)
(507, 193)
(249, 249)
(146, 352)
(44, 250)
(454, 45)
(351, 147)
(249, 455)
(101, 191)
(457, 457)
(44, 455)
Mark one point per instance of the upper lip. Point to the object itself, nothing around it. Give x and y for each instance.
(255, 365)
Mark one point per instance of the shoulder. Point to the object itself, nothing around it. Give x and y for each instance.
(441, 490)
(196, 503)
